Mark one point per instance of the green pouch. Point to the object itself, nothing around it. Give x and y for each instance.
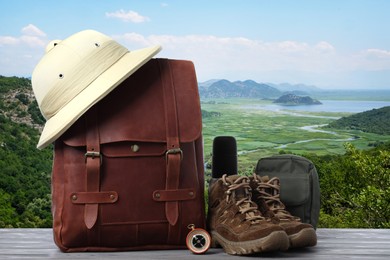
(299, 184)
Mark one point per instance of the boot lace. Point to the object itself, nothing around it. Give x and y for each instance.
(239, 191)
(270, 192)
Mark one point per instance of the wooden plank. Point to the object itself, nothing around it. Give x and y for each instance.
(332, 243)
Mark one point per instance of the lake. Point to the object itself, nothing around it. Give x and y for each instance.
(329, 106)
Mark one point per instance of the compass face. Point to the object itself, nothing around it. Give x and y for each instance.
(198, 241)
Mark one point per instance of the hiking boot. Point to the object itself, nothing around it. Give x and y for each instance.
(235, 222)
(266, 194)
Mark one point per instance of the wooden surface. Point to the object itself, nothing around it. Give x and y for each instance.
(332, 244)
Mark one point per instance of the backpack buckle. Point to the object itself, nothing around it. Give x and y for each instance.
(174, 151)
(93, 154)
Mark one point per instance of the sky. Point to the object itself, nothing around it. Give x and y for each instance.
(331, 44)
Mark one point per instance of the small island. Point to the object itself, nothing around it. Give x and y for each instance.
(294, 100)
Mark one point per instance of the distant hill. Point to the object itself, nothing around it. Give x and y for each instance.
(295, 88)
(373, 121)
(24, 170)
(291, 100)
(208, 83)
(247, 89)
(222, 88)
(18, 103)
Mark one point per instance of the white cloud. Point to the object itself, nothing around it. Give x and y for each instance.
(32, 30)
(129, 16)
(31, 36)
(236, 53)
(236, 58)
(134, 38)
(324, 47)
(33, 41)
(371, 60)
(8, 40)
(378, 53)
(233, 58)
(20, 54)
(289, 46)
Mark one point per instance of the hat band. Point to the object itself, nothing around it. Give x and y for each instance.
(82, 75)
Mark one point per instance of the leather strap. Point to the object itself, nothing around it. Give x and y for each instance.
(93, 162)
(174, 154)
(174, 195)
(94, 197)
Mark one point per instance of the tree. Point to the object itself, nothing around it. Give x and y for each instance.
(8, 215)
(355, 188)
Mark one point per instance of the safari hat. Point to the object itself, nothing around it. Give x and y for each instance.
(75, 73)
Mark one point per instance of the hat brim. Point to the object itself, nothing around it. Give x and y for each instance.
(98, 89)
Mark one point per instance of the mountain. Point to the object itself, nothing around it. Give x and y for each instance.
(291, 100)
(295, 88)
(245, 89)
(207, 83)
(372, 121)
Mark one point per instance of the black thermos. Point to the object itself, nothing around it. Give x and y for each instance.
(224, 156)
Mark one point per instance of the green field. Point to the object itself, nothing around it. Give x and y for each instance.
(261, 133)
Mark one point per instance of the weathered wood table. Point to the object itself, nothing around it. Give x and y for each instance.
(332, 244)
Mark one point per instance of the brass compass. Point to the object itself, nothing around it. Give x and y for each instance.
(198, 240)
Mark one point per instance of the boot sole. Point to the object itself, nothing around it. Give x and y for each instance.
(276, 241)
(305, 238)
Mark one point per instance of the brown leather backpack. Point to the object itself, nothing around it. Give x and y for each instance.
(128, 175)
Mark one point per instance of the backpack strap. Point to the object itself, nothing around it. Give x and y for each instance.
(93, 160)
(174, 155)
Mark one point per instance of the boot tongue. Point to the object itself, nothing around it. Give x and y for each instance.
(233, 178)
(264, 178)
(276, 204)
(240, 192)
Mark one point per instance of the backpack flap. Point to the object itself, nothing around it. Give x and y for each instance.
(136, 112)
(294, 190)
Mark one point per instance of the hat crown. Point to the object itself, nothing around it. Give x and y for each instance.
(69, 66)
